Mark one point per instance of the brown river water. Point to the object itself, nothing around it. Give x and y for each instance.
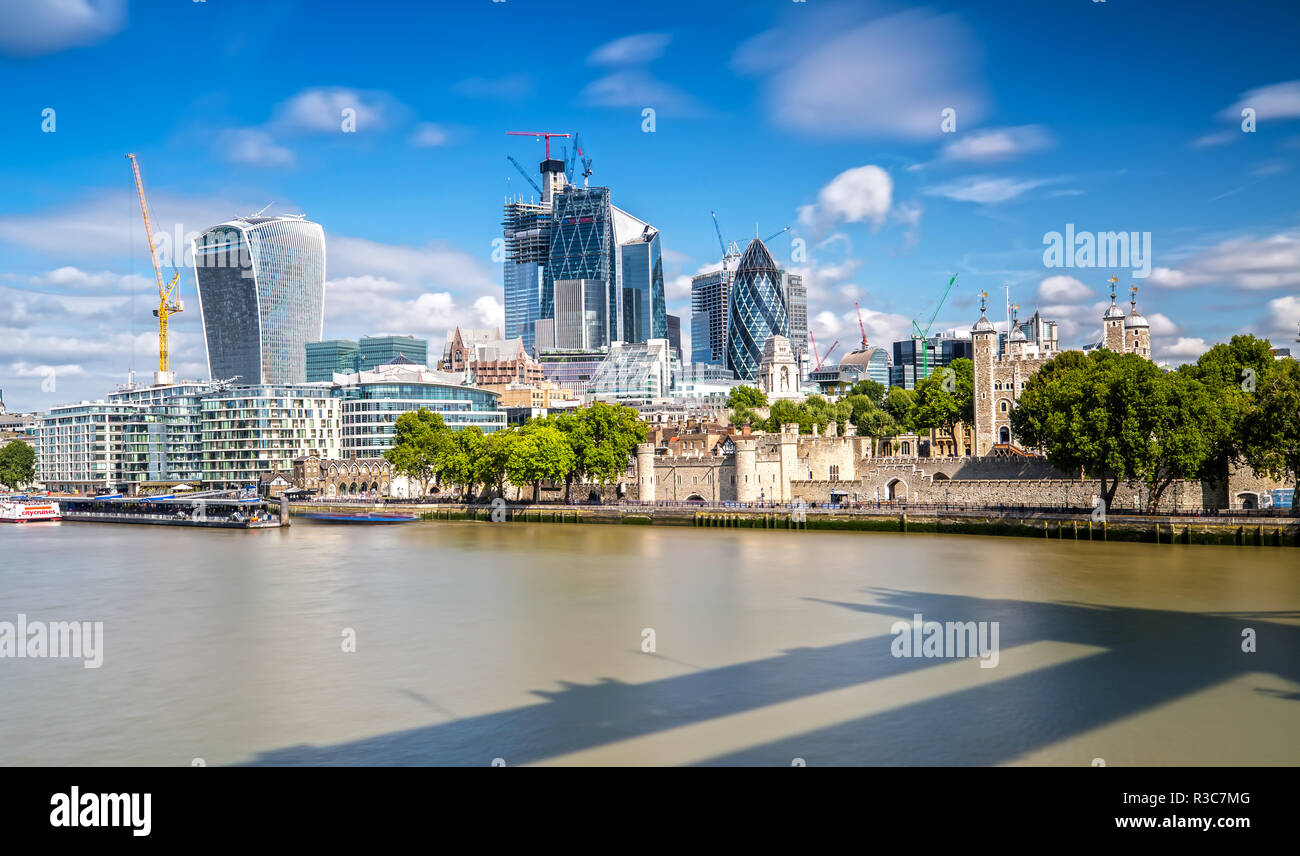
(526, 644)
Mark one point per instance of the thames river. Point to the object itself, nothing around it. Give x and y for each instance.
(480, 643)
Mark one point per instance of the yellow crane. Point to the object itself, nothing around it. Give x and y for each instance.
(166, 306)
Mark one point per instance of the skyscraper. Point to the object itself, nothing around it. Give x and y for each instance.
(376, 350)
(645, 311)
(527, 230)
(326, 358)
(583, 248)
(757, 310)
(261, 285)
(710, 297)
(796, 298)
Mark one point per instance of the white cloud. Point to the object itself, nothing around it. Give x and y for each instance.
(1249, 264)
(638, 48)
(1276, 101)
(1184, 348)
(862, 194)
(320, 110)
(984, 189)
(835, 73)
(253, 147)
(638, 88)
(37, 27)
(997, 143)
(1063, 289)
(429, 135)
(1282, 323)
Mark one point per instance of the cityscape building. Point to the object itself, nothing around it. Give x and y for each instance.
(710, 299)
(330, 356)
(757, 310)
(261, 286)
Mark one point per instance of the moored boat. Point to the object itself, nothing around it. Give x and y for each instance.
(357, 517)
(23, 509)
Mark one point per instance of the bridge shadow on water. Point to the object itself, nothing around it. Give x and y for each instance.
(1149, 658)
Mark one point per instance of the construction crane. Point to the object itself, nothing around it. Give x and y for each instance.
(538, 135)
(528, 178)
(732, 252)
(586, 161)
(820, 359)
(861, 326)
(166, 306)
(776, 234)
(921, 335)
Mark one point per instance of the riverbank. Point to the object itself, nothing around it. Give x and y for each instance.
(1236, 531)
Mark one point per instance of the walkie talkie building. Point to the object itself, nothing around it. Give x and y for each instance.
(758, 310)
(261, 285)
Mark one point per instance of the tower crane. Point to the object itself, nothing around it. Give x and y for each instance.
(528, 178)
(166, 306)
(732, 252)
(820, 359)
(861, 326)
(920, 335)
(776, 234)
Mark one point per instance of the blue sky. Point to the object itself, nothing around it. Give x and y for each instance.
(1111, 116)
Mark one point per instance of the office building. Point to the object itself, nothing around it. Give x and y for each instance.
(583, 247)
(796, 298)
(634, 370)
(675, 336)
(757, 310)
(571, 369)
(489, 359)
(645, 311)
(913, 364)
(377, 350)
(710, 298)
(370, 402)
(326, 358)
(526, 227)
(580, 315)
(261, 286)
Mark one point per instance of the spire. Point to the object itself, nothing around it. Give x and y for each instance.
(1134, 302)
(983, 325)
(1113, 311)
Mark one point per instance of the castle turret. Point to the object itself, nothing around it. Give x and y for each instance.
(984, 347)
(645, 471)
(1137, 332)
(746, 469)
(1112, 323)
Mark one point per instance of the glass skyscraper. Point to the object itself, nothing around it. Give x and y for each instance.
(710, 296)
(326, 358)
(645, 311)
(376, 350)
(757, 310)
(261, 284)
(583, 247)
(526, 227)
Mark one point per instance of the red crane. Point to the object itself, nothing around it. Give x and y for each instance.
(820, 360)
(861, 327)
(539, 135)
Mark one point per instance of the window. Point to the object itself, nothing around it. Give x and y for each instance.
(1002, 406)
(835, 472)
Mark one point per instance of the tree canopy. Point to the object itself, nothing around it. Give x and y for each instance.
(17, 464)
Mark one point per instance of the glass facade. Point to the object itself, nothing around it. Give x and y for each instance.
(261, 284)
(645, 312)
(249, 430)
(757, 310)
(580, 319)
(370, 405)
(326, 358)
(710, 296)
(641, 370)
(796, 298)
(909, 361)
(376, 350)
(526, 227)
(582, 247)
(571, 369)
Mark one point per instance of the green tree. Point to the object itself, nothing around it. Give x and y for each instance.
(876, 424)
(747, 397)
(540, 452)
(871, 389)
(17, 464)
(1233, 372)
(458, 460)
(946, 399)
(420, 436)
(494, 459)
(899, 404)
(605, 440)
(1272, 430)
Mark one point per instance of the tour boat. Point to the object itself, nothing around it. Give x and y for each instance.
(22, 509)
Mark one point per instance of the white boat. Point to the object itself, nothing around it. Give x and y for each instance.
(23, 509)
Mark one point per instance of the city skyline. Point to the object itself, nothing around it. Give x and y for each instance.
(887, 205)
